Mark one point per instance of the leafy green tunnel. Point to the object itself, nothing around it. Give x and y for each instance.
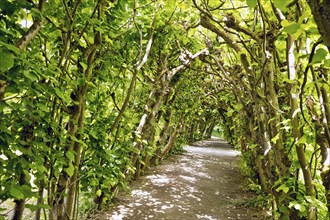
(92, 93)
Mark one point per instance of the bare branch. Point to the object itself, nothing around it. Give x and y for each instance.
(145, 57)
(189, 57)
(33, 30)
(207, 24)
(149, 44)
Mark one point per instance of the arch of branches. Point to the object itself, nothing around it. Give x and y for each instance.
(92, 93)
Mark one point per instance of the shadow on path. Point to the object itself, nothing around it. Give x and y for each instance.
(203, 183)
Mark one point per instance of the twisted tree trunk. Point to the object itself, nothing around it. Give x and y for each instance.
(311, 214)
(321, 14)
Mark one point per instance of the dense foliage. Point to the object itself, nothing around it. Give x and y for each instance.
(94, 92)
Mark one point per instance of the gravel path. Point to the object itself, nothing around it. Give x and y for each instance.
(203, 183)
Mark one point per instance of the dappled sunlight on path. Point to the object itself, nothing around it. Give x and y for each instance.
(203, 183)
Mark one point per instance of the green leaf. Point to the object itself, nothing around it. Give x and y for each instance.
(98, 192)
(70, 155)
(274, 139)
(230, 112)
(43, 107)
(284, 188)
(283, 209)
(93, 134)
(41, 168)
(84, 65)
(292, 28)
(78, 141)
(141, 162)
(36, 207)
(30, 76)
(312, 30)
(290, 81)
(6, 59)
(87, 10)
(327, 63)
(11, 47)
(16, 193)
(302, 140)
(285, 23)
(281, 4)
(33, 208)
(70, 170)
(60, 94)
(299, 207)
(319, 56)
(121, 174)
(90, 39)
(27, 191)
(251, 3)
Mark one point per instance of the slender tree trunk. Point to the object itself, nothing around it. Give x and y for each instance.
(325, 110)
(64, 211)
(40, 200)
(171, 141)
(324, 146)
(281, 158)
(19, 209)
(77, 148)
(124, 105)
(3, 86)
(321, 13)
(164, 133)
(146, 128)
(27, 136)
(99, 199)
(19, 203)
(295, 127)
(72, 189)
